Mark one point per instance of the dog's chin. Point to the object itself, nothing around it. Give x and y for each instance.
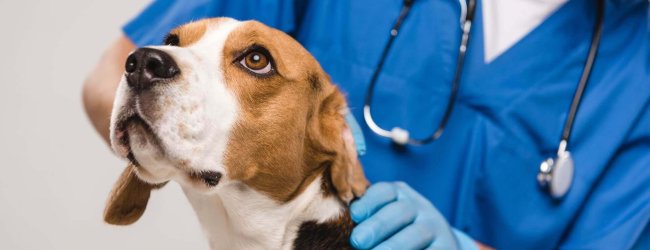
(148, 177)
(133, 139)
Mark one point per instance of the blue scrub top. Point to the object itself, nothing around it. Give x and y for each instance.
(509, 114)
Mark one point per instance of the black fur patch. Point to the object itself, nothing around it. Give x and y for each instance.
(326, 185)
(171, 40)
(314, 81)
(333, 234)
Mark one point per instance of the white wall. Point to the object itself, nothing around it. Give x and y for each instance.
(55, 172)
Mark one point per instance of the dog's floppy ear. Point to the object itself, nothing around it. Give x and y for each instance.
(336, 143)
(346, 171)
(129, 198)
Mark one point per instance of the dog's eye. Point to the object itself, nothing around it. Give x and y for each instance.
(257, 61)
(171, 40)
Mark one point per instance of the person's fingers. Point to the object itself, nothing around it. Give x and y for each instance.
(388, 220)
(415, 236)
(376, 197)
(408, 191)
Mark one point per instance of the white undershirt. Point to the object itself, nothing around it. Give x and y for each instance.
(505, 22)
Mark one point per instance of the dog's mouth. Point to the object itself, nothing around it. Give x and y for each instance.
(122, 138)
(135, 122)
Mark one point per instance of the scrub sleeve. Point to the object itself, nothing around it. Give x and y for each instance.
(160, 17)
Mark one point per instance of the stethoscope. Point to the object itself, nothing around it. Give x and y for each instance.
(555, 175)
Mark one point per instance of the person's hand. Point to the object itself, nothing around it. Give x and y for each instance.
(394, 216)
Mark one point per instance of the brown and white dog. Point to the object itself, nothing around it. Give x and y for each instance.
(249, 125)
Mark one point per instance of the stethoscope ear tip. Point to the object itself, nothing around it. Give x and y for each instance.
(399, 136)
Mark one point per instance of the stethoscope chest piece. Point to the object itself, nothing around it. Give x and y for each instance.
(556, 175)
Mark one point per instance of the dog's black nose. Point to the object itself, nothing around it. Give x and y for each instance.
(146, 66)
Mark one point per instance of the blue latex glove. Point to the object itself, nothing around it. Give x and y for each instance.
(394, 216)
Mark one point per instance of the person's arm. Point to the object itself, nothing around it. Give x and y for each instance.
(99, 87)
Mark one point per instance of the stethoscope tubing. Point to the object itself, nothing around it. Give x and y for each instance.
(467, 16)
(555, 174)
(373, 80)
(468, 10)
(586, 73)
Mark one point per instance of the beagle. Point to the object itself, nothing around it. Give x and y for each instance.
(250, 126)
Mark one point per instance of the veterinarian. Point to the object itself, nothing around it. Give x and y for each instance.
(507, 124)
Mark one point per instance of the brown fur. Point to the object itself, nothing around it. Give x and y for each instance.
(129, 198)
(191, 32)
(288, 131)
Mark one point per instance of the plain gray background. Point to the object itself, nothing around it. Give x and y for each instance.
(55, 172)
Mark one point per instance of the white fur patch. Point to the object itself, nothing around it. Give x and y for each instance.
(238, 217)
(191, 117)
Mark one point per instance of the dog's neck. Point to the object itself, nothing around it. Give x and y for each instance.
(238, 217)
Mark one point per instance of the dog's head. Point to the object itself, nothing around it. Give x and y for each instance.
(228, 103)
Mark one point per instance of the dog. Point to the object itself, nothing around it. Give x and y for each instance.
(250, 126)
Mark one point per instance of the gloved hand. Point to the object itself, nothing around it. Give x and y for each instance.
(394, 216)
